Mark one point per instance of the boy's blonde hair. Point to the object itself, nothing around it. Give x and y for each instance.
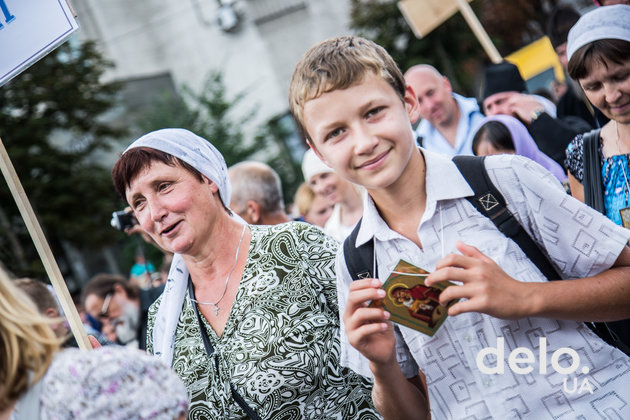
(27, 342)
(339, 63)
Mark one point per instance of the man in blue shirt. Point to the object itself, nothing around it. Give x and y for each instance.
(448, 119)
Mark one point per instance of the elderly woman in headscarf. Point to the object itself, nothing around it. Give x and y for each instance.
(248, 317)
(38, 381)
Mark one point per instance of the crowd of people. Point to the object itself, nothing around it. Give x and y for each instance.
(261, 312)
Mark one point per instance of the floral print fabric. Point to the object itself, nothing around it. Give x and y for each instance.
(615, 173)
(280, 346)
(114, 383)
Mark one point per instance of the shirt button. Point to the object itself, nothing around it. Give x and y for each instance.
(487, 382)
(468, 338)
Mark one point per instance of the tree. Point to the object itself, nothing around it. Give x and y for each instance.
(51, 122)
(452, 47)
(449, 47)
(207, 114)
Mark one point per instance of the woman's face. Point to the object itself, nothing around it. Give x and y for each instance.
(485, 148)
(320, 211)
(326, 185)
(174, 207)
(608, 88)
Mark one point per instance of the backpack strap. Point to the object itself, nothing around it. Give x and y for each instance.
(592, 181)
(489, 202)
(359, 260)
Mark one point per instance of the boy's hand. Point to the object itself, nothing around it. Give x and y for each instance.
(368, 329)
(94, 342)
(487, 288)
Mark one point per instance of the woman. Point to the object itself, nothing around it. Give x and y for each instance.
(312, 208)
(39, 382)
(598, 49)
(345, 195)
(504, 134)
(248, 318)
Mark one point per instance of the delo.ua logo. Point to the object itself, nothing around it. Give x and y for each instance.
(521, 361)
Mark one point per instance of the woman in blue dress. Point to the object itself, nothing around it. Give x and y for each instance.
(599, 58)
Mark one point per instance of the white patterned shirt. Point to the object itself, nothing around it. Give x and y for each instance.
(579, 241)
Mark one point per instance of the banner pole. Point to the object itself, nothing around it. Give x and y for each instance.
(479, 31)
(43, 249)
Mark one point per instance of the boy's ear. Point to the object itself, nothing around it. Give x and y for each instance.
(411, 103)
(312, 146)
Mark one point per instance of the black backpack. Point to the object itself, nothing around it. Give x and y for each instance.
(490, 203)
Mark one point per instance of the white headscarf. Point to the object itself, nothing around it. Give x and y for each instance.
(606, 22)
(192, 149)
(204, 157)
(312, 165)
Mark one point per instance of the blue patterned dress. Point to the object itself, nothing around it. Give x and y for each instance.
(615, 172)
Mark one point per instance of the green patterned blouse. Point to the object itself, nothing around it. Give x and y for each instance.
(280, 346)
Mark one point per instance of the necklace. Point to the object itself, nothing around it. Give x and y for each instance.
(624, 213)
(215, 305)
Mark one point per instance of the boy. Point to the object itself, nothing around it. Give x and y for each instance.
(353, 107)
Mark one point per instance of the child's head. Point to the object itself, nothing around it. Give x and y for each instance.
(339, 63)
(315, 208)
(492, 138)
(355, 110)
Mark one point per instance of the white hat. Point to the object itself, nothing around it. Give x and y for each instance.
(195, 151)
(606, 22)
(312, 165)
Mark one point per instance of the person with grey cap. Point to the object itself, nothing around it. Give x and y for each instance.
(249, 316)
(505, 93)
(599, 58)
(573, 101)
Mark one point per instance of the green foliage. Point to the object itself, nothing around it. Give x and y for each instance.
(60, 97)
(207, 114)
(281, 130)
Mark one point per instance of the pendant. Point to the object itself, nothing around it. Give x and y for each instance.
(216, 310)
(625, 217)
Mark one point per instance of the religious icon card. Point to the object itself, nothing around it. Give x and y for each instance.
(410, 302)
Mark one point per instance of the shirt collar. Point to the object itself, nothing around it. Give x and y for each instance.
(444, 182)
(467, 106)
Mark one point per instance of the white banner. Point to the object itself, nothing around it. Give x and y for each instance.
(29, 29)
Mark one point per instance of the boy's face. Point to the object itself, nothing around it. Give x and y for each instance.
(363, 132)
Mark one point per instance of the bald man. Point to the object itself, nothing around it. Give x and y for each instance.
(447, 118)
(257, 193)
